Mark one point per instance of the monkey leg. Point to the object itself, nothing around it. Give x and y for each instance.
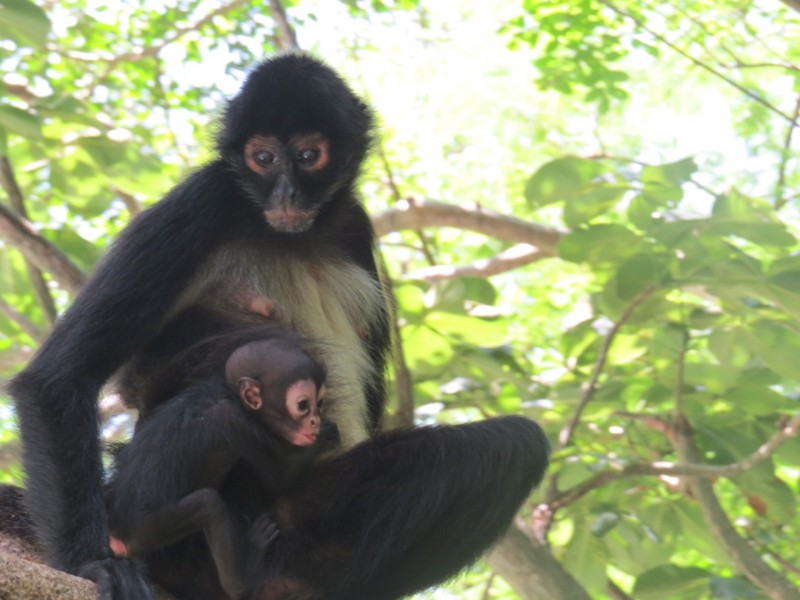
(202, 510)
(408, 509)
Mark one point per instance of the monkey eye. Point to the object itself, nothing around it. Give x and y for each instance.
(303, 405)
(308, 157)
(264, 158)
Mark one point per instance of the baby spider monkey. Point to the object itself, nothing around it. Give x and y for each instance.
(264, 414)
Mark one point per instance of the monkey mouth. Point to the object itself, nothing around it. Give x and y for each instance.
(308, 438)
(290, 221)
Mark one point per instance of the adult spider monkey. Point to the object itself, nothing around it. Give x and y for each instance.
(272, 227)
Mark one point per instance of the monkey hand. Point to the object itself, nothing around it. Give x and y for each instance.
(118, 579)
(263, 532)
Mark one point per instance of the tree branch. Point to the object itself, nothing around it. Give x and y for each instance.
(23, 579)
(12, 314)
(780, 202)
(746, 559)
(565, 436)
(21, 234)
(287, 38)
(767, 449)
(515, 257)
(8, 182)
(793, 4)
(749, 93)
(532, 570)
(417, 215)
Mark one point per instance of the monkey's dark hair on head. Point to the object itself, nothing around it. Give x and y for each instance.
(271, 360)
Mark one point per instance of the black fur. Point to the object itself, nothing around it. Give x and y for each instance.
(430, 500)
(161, 266)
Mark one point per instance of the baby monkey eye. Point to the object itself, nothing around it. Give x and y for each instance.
(264, 158)
(308, 156)
(303, 405)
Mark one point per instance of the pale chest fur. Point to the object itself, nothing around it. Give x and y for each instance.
(330, 300)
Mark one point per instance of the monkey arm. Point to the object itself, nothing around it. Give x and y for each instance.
(119, 310)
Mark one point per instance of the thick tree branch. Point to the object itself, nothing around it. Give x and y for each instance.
(532, 570)
(21, 234)
(418, 215)
(23, 579)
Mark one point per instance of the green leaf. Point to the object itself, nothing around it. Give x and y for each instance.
(733, 588)
(452, 295)
(788, 280)
(675, 173)
(471, 330)
(599, 244)
(591, 202)
(763, 234)
(759, 400)
(638, 272)
(668, 582)
(410, 299)
(605, 522)
(125, 166)
(16, 120)
(585, 557)
(425, 350)
(560, 180)
(777, 346)
(778, 498)
(23, 22)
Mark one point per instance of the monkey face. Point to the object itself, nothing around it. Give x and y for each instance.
(288, 180)
(303, 404)
(295, 135)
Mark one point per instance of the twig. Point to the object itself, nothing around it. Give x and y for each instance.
(746, 559)
(287, 38)
(565, 436)
(111, 62)
(749, 93)
(9, 183)
(767, 449)
(487, 590)
(24, 322)
(787, 146)
(44, 255)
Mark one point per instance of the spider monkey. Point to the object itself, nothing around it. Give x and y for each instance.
(265, 413)
(269, 230)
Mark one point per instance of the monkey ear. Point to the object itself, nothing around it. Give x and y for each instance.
(250, 393)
